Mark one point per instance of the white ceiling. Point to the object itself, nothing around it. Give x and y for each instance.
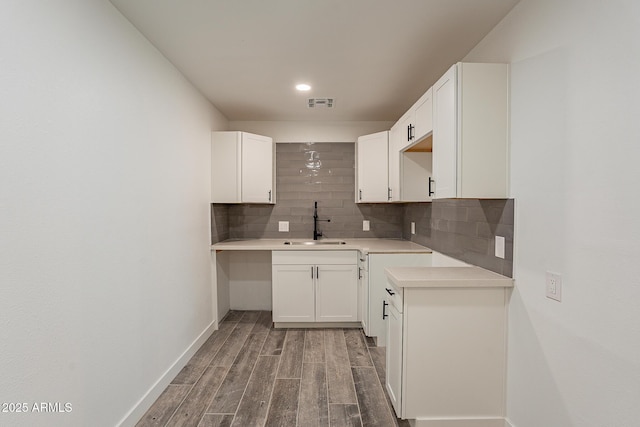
(375, 57)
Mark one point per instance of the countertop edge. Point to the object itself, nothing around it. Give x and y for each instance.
(455, 277)
(366, 246)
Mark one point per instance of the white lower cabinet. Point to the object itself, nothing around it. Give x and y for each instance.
(315, 286)
(336, 293)
(293, 293)
(446, 355)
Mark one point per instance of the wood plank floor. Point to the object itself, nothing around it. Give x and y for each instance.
(249, 374)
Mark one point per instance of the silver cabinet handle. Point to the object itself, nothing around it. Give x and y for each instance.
(384, 309)
(312, 272)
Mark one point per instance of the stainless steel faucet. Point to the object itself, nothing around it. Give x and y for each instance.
(317, 233)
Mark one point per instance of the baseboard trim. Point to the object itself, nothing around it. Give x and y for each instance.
(459, 422)
(284, 325)
(139, 409)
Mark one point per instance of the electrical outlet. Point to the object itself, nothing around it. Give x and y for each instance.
(413, 227)
(283, 226)
(554, 286)
(500, 247)
(366, 226)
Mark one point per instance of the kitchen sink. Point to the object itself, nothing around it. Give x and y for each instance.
(316, 242)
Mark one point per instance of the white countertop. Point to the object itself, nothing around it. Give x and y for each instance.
(446, 277)
(404, 277)
(363, 245)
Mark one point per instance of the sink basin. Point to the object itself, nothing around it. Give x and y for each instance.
(316, 242)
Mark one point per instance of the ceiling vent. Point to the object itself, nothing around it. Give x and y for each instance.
(320, 103)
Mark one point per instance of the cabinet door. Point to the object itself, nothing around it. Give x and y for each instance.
(424, 115)
(394, 343)
(372, 164)
(445, 134)
(406, 130)
(397, 136)
(483, 131)
(226, 177)
(337, 293)
(257, 169)
(415, 175)
(293, 293)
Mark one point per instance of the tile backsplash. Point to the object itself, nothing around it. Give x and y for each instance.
(325, 172)
(464, 229)
(219, 222)
(308, 172)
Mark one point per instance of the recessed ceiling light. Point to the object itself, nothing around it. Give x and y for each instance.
(303, 87)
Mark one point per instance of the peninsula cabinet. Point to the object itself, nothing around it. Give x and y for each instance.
(242, 168)
(372, 184)
(470, 132)
(446, 357)
(314, 286)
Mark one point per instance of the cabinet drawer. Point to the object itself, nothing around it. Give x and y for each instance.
(394, 295)
(314, 257)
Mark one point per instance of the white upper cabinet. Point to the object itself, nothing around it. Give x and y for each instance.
(257, 169)
(444, 134)
(242, 168)
(410, 153)
(397, 138)
(416, 123)
(423, 116)
(470, 132)
(372, 151)
(406, 129)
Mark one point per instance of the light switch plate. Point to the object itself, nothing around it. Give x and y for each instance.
(554, 285)
(413, 227)
(366, 226)
(500, 247)
(283, 226)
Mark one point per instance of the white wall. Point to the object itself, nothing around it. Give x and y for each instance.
(104, 212)
(311, 131)
(575, 135)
